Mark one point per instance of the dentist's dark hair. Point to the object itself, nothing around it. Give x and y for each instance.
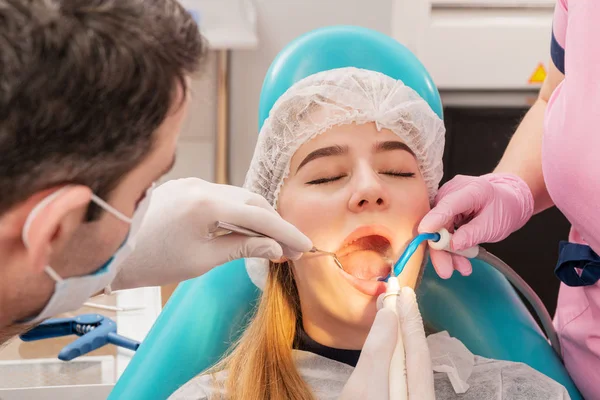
(84, 84)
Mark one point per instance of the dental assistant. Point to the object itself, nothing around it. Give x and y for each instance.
(92, 98)
(552, 160)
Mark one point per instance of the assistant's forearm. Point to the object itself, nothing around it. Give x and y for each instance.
(523, 156)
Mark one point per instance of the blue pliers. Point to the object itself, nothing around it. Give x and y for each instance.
(94, 330)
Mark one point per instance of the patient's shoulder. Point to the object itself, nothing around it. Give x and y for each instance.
(202, 387)
(460, 371)
(514, 380)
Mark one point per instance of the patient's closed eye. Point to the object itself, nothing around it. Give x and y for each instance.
(398, 174)
(321, 181)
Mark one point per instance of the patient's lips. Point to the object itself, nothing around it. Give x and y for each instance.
(366, 255)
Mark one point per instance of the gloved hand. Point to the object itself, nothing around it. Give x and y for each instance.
(484, 209)
(173, 243)
(370, 379)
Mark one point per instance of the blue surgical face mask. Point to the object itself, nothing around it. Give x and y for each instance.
(69, 294)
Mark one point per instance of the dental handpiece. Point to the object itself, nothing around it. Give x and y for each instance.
(398, 384)
(225, 228)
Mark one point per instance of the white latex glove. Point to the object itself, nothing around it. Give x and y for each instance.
(173, 243)
(370, 379)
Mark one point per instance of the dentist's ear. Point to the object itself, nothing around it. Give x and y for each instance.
(51, 219)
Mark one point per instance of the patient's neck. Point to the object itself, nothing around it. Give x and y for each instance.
(332, 333)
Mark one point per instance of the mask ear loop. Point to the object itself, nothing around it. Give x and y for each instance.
(107, 207)
(29, 221)
(119, 215)
(44, 203)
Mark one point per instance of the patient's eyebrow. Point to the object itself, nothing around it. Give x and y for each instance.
(391, 145)
(323, 152)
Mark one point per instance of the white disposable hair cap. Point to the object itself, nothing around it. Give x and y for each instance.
(339, 97)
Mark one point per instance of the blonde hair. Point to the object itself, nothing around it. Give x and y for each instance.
(261, 365)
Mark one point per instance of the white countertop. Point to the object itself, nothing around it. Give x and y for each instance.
(32, 371)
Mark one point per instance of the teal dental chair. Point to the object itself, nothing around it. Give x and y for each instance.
(206, 314)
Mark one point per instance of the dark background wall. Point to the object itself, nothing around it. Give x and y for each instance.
(475, 141)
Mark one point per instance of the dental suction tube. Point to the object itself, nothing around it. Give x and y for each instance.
(527, 292)
(480, 253)
(441, 241)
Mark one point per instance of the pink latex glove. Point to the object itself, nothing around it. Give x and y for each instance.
(483, 209)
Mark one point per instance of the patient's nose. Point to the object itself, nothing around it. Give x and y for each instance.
(370, 194)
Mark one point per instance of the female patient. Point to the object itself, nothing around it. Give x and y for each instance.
(353, 158)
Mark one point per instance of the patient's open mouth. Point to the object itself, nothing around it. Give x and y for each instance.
(374, 242)
(367, 256)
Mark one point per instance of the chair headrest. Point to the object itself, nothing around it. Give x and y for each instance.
(345, 46)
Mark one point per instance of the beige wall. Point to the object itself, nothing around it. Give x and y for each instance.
(196, 147)
(279, 22)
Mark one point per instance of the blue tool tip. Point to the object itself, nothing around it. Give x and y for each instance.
(398, 267)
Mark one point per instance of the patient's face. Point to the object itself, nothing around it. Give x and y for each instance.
(358, 192)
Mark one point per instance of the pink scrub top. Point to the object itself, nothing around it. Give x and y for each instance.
(571, 167)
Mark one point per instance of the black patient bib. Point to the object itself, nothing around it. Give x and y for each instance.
(306, 343)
